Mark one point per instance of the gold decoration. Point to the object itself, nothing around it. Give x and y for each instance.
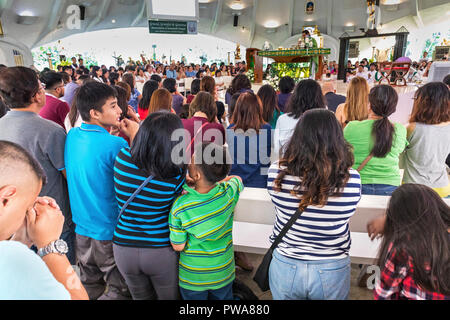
(238, 52)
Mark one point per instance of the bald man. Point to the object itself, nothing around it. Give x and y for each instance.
(26, 219)
(333, 99)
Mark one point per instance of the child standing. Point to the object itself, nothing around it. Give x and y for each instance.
(201, 224)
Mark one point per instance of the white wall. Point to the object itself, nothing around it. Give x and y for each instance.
(7, 45)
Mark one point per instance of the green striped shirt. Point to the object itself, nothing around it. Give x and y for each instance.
(205, 222)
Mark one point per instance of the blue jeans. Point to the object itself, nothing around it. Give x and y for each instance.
(225, 293)
(378, 189)
(292, 279)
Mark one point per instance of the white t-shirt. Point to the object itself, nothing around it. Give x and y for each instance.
(362, 74)
(67, 123)
(25, 276)
(283, 131)
(371, 76)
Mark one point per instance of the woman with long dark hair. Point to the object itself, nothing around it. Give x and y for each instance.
(378, 143)
(307, 95)
(195, 88)
(208, 84)
(429, 139)
(149, 88)
(314, 175)
(202, 125)
(271, 112)
(414, 255)
(241, 83)
(136, 96)
(287, 85)
(96, 74)
(142, 248)
(249, 140)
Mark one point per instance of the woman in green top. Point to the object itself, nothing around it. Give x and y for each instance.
(381, 139)
(271, 112)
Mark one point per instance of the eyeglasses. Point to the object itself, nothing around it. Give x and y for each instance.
(41, 88)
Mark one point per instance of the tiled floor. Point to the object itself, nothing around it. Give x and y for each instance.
(356, 293)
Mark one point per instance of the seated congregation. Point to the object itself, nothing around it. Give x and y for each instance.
(138, 190)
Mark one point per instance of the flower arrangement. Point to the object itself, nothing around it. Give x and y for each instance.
(274, 81)
(251, 75)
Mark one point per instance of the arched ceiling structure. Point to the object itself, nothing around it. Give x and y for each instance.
(216, 18)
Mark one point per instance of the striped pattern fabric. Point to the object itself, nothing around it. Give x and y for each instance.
(145, 222)
(321, 233)
(204, 222)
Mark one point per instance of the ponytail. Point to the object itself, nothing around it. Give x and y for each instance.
(383, 102)
(383, 132)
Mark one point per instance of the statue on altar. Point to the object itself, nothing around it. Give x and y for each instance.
(267, 46)
(238, 52)
(373, 11)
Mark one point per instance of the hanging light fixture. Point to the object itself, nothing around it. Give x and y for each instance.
(237, 5)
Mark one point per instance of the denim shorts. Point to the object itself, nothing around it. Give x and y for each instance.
(292, 279)
(378, 189)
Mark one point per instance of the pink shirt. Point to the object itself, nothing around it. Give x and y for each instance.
(195, 123)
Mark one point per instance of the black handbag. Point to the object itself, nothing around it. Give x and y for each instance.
(262, 274)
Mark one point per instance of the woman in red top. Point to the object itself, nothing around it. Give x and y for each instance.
(414, 256)
(195, 88)
(149, 88)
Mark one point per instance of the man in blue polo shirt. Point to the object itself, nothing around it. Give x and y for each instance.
(171, 73)
(90, 153)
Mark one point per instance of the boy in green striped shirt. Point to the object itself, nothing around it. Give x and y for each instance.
(201, 223)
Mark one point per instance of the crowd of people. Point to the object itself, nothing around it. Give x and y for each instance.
(138, 189)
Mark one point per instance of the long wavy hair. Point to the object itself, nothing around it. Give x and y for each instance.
(269, 102)
(431, 104)
(240, 82)
(356, 105)
(319, 155)
(307, 95)
(417, 222)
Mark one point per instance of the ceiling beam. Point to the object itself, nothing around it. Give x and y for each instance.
(104, 7)
(55, 15)
(291, 18)
(217, 16)
(5, 5)
(253, 25)
(329, 16)
(140, 15)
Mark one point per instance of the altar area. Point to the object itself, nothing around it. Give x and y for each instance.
(296, 63)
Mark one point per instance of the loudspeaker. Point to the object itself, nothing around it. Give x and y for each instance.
(82, 13)
(236, 21)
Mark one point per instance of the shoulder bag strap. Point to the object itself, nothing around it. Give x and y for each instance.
(364, 163)
(285, 229)
(138, 190)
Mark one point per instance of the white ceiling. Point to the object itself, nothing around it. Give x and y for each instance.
(215, 17)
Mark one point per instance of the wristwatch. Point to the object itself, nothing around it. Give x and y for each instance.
(59, 246)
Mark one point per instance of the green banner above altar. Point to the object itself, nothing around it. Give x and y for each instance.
(295, 52)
